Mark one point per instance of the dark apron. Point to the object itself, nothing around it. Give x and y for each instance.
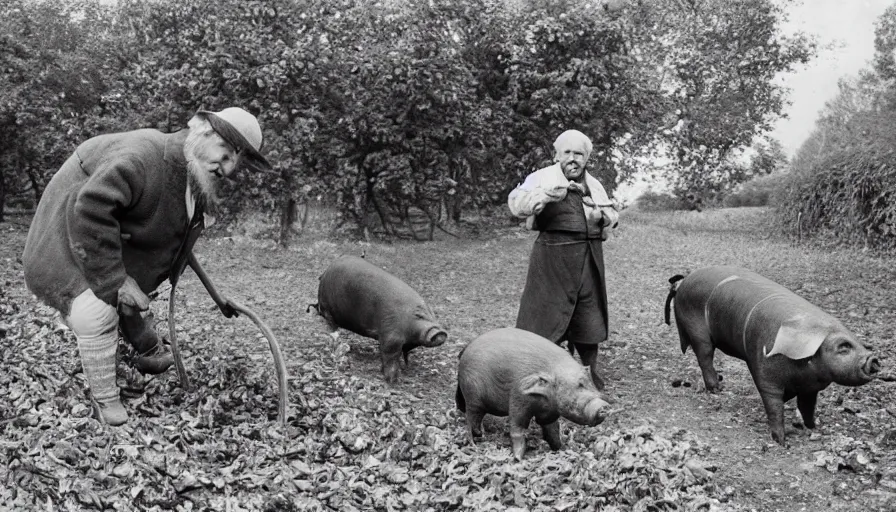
(565, 297)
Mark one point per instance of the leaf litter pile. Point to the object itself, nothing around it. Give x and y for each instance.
(357, 445)
(352, 442)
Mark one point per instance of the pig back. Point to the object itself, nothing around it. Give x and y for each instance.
(365, 299)
(744, 311)
(509, 354)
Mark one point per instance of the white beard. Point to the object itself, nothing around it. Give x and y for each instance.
(202, 183)
(201, 180)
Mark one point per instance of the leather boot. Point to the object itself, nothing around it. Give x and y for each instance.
(157, 361)
(154, 358)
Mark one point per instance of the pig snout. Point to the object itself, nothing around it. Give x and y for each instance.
(435, 337)
(871, 368)
(596, 412)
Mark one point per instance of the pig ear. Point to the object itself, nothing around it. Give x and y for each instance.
(797, 338)
(538, 384)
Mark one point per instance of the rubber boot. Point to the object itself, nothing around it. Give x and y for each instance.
(98, 358)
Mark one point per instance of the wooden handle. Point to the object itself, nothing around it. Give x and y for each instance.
(278, 358)
(239, 308)
(175, 348)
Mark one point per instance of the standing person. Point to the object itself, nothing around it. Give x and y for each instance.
(119, 217)
(565, 297)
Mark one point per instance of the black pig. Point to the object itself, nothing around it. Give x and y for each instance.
(365, 299)
(792, 348)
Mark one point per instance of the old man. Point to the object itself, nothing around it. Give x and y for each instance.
(120, 217)
(565, 297)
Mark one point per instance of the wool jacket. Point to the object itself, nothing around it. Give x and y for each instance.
(115, 208)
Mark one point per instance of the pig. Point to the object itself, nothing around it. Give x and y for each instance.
(359, 296)
(791, 347)
(516, 373)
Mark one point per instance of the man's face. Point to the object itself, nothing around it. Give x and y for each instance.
(572, 160)
(210, 159)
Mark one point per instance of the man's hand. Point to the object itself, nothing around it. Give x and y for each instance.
(228, 310)
(131, 297)
(575, 186)
(556, 193)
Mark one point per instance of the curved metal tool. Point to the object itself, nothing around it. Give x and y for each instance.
(225, 304)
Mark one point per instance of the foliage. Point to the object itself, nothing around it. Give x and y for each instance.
(51, 88)
(401, 112)
(762, 190)
(717, 60)
(848, 196)
(842, 182)
(658, 201)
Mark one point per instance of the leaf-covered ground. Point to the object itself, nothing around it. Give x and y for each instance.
(355, 443)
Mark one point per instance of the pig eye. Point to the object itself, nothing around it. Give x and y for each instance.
(844, 347)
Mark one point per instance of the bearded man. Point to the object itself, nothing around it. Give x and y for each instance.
(565, 297)
(119, 217)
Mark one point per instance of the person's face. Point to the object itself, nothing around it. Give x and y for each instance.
(211, 159)
(572, 159)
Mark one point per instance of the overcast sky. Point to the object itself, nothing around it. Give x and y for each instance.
(848, 24)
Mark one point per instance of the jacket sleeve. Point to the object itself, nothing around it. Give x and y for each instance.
(532, 196)
(94, 229)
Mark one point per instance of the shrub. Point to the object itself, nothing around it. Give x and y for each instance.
(849, 195)
(657, 201)
(760, 191)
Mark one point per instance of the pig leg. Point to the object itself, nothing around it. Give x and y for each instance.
(551, 434)
(518, 428)
(774, 410)
(405, 351)
(474, 417)
(390, 352)
(705, 352)
(806, 404)
(332, 328)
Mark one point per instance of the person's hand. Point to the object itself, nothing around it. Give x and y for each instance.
(588, 201)
(228, 310)
(575, 186)
(131, 298)
(556, 193)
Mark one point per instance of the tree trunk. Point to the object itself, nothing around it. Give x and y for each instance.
(287, 219)
(2, 193)
(34, 176)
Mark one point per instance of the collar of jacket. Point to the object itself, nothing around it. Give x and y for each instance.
(174, 149)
